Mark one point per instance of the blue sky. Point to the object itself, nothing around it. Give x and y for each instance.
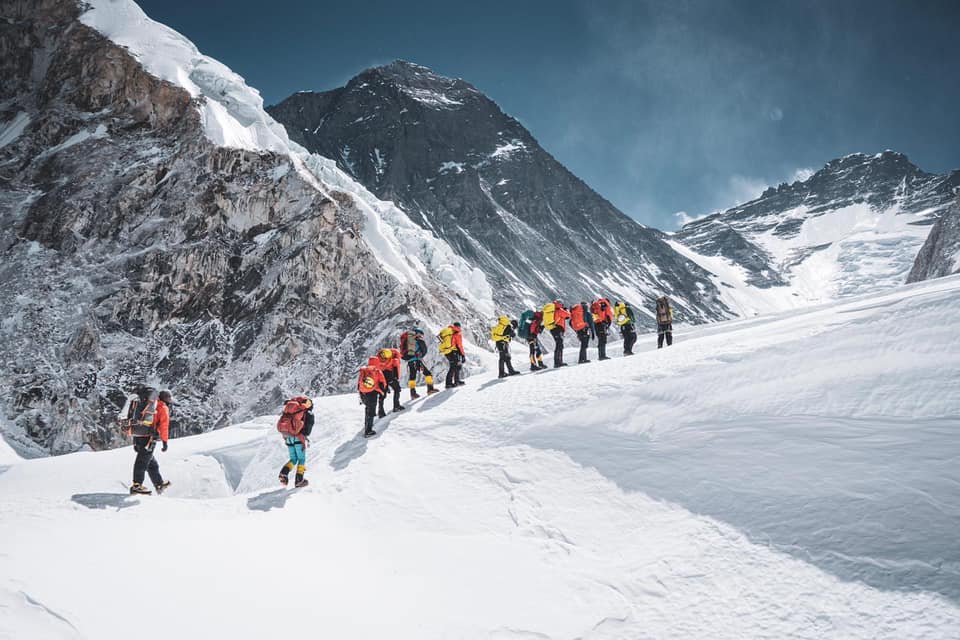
(661, 106)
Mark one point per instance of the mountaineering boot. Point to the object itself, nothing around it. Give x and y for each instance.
(534, 367)
(139, 489)
(369, 433)
(284, 479)
(160, 488)
(381, 413)
(300, 481)
(514, 373)
(432, 391)
(582, 361)
(285, 473)
(398, 407)
(414, 395)
(449, 386)
(604, 358)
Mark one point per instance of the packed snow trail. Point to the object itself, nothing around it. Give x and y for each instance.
(691, 492)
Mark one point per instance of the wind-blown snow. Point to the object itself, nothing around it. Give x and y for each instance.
(233, 116)
(10, 131)
(430, 98)
(785, 477)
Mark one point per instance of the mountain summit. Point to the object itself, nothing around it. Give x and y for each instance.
(460, 167)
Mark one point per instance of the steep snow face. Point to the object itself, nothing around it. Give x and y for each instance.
(682, 493)
(233, 116)
(853, 227)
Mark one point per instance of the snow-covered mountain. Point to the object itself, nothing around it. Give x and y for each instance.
(855, 226)
(157, 226)
(791, 476)
(449, 157)
(940, 254)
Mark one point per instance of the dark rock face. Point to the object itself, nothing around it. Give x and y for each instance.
(887, 182)
(474, 176)
(940, 255)
(137, 252)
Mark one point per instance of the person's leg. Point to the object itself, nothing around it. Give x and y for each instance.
(380, 398)
(557, 346)
(452, 361)
(501, 360)
(142, 460)
(532, 345)
(669, 335)
(412, 366)
(395, 383)
(370, 410)
(539, 353)
(301, 453)
(584, 341)
(153, 469)
(631, 339)
(601, 342)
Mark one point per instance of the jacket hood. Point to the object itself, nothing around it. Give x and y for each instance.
(374, 361)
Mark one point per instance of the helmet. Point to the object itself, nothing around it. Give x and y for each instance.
(456, 324)
(386, 354)
(165, 397)
(419, 332)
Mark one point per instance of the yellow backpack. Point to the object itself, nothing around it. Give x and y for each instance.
(446, 340)
(497, 332)
(548, 310)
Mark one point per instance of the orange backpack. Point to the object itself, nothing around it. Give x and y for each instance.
(577, 320)
(367, 381)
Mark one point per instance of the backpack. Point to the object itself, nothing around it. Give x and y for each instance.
(601, 310)
(548, 312)
(526, 323)
(663, 310)
(408, 345)
(497, 333)
(138, 413)
(537, 324)
(293, 416)
(577, 321)
(368, 379)
(446, 340)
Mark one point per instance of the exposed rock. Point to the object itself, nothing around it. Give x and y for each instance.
(940, 255)
(462, 168)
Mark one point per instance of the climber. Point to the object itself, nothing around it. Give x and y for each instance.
(389, 363)
(372, 386)
(451, 346)
(413, 348)
(529, 329)
(602, 319)
(554, 318)
(295, 425)
(502, 334)
(581, 321)
(626, 321)
(153, 423)
(664, 322)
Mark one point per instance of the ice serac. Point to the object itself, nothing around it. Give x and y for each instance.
(157, 226)
(940, 254)
(460, 167)
(855, 226)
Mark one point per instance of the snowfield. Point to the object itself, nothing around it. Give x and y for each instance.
(791, 476)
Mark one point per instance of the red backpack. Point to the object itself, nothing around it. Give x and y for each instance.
(294, 412)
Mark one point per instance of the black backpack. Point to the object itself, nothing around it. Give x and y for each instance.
(139, 411)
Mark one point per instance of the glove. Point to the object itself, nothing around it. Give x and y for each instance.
(164, 447)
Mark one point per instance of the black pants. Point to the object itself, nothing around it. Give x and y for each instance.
(602, 340)
(629, 338)
(536, 353)
(145, 462)
(453, 373)
(503, 348)
(370, 400)
(557, 334)
(664, 331)
(392, 383)
(584, 336)
(414, 366)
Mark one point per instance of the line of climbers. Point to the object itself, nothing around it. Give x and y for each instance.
(146, 414)
(589, 322)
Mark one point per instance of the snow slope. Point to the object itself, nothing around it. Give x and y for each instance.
(233, 116)
(791, 476)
